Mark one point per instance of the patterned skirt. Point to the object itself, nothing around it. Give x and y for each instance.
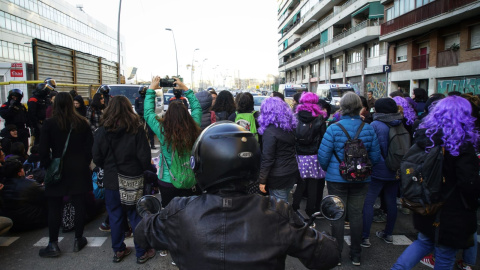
(309, 167)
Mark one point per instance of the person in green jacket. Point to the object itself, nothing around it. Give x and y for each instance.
(177, 131)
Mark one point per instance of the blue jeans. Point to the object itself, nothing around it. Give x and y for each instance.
(117, 219)
(470, 254)
(353, 195)
(281, 194)
(444, 256)
(390, 189)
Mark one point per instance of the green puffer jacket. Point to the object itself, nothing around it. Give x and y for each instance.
(156, 126)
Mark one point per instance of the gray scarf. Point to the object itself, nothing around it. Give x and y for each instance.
(387, 117)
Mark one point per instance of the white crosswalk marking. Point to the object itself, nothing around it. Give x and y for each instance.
(96, 241)
(44, 242)
(7, 241)
(129, 242)
(398, 240)
(401, 240)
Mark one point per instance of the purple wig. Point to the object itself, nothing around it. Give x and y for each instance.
(408, 112)
(275, 111)
(453, 117)
(308, 102)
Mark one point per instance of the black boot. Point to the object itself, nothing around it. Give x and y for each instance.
(79, 244)
(52, 250)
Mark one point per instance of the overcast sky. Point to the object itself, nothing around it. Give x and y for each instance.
(239, 36)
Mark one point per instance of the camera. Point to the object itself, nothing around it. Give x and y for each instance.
(167, 83)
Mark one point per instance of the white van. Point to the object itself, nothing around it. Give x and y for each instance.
(289, 90)
(333, 93)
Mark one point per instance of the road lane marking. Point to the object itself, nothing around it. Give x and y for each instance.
(129, 242)
(7, 241)
(401, 240)
(96, 241)
(44, 242)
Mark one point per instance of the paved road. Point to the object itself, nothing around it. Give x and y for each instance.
(20, 250)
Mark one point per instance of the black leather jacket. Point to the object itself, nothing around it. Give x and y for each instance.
(235, 231)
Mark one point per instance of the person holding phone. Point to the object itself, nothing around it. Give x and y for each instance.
(176, 131)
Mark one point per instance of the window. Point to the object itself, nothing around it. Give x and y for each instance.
(355, 57)
(475, 37)
(401, 53)
(451, 40)
(374, 50)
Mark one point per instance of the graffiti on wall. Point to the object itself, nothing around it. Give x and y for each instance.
(356, 87)
(377, 86)
(463, 85)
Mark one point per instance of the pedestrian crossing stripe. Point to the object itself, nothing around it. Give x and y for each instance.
(43, 242)
(129, 242)
(7, 241)
(96, 241)
(398, 240)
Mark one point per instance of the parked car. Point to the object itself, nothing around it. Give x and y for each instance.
(167, 97)
(257, 101)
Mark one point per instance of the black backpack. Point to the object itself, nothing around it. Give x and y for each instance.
(398, 145)
(356, 165)
(304, 133)
(422, 180)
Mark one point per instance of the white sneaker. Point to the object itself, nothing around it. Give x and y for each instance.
(163, 253)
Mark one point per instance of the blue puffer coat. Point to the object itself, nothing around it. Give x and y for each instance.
(334, 140)
(380, 170)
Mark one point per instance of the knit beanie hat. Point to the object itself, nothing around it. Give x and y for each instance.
(386, 105)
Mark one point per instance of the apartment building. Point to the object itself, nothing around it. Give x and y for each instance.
(433, 44)
(337, 41)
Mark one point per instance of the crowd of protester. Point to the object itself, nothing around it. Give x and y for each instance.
(119, 141)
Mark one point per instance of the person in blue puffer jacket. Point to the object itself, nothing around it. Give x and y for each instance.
(352, 193)
(386, 114)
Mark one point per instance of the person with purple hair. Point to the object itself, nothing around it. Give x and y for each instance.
(279, 168)
(409, 114)
(312, 175)
(451, 126)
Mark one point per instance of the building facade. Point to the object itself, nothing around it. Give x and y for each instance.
(430, 44)
(434, 45)
(335, 41)
(56, 22)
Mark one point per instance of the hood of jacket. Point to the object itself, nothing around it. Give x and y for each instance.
(205, 100)
(392, 119)
(306, 117)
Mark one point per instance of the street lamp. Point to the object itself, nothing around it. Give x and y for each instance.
(174, 43)
(193, 58)
(201, 74)
(118, 39)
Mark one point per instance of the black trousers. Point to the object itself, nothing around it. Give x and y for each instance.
(314, 189)
(55, 211)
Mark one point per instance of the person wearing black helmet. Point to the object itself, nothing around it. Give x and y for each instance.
(15, 113)
(37, 108)
(225, 228)
(105, 91)
(142, 91)
(178, 97)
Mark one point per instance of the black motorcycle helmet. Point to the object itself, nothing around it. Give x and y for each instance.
(223, 152)
(142, 90)
(15, 93)
(104, 89)
(42, 90)
(51, 83)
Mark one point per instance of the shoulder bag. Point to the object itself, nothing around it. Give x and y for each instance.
(53, 175)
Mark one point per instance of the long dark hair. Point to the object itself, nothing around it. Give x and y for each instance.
(179, 128)
(96, 104)
(119, 115)
(224, 102)
(65, 114)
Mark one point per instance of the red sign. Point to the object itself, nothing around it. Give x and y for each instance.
(17, 65)
(16, 73)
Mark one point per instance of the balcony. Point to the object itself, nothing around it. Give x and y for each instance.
(420, 62)
(447, 58)
(422, 13)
